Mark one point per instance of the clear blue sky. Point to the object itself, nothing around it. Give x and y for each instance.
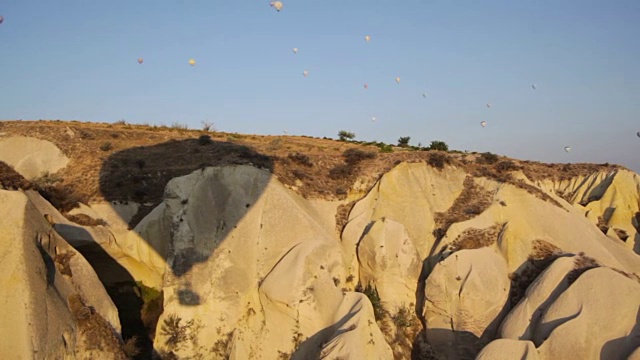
(77, 60)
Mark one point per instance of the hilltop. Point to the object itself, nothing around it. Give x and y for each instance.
(143, 241)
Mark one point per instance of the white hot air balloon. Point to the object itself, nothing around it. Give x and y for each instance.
(276, 5)
(140, 60)
(367, 38)
(398, 80)
(489, 105)
(483, 123)
(373, 119)
(305, 73)
(533, 86)
(285, 132)
(295, 50)
(567, 148)
(424, 95)
(192, 62)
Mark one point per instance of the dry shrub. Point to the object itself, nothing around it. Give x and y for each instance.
(473, 200)
(505, 166)
(438, 160)
(11, 179)
(582, 263)
(354, 156)
(487, 158)
(63, 197)
(622, 234)
(85, 220)
(94, 329)
(341, 172)
(542, 255)
(62, 261)
(342, 215)
(131, 347)
(301, 159)
(537, 192)
(476, 238)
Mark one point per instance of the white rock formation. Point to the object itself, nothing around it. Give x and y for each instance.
(40, 273)
(30, 156)
(466, 297)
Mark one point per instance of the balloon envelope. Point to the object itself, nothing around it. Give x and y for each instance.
(1, 19)
(192, 62)
(276, 5)
(373, 119)
(483, 124)
(489, 105)
(140, 60)
(366, 86)
(533, 86)
(398, 80)
(295, 50)
(424, 95)
(305, 73)
(638, 133)
(367, 38)
(567, 148)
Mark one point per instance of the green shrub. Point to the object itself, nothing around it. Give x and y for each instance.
(438, 145)
(404, 141)
(346, 135)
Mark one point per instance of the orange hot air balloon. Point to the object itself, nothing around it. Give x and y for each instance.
(140, 60)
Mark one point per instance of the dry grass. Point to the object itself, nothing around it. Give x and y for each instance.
(542, 255)
(582, 263)
(94, 329)
(141, 159)
(472, 201)
(85, 220)
(11, 179)
(476, 238)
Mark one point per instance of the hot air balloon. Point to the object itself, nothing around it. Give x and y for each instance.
(638, 133)
(140, 60)
(192, 62)
(424, 95)
(285, 132)
(373, 119)
(483, 123)
(366, 86)
(295, 50)
(1, 19)
(489, 105)
(276, 5)
(305, 73)
(398, 80)
(567, 148)
(367, 38)
(533, 86)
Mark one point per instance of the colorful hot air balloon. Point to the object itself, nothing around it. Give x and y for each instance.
(366, 86)
(367, 38)
(192, 62)
(305, 73)
(140, 60)
(276, 5)
(398, 80)
(567, 148)
(1, 19)
(295, 50)
(483, 124)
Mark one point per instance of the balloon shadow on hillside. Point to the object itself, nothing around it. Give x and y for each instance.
(141, 174)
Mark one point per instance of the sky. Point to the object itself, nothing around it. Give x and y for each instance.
(77, 60)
